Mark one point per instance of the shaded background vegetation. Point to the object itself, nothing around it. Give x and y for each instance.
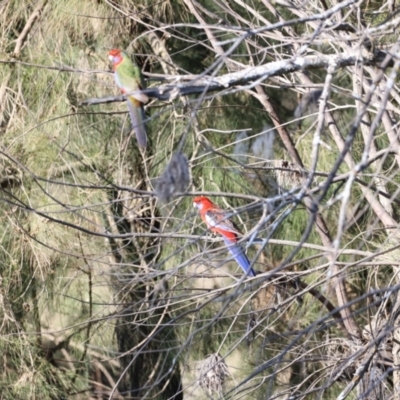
(108, 292)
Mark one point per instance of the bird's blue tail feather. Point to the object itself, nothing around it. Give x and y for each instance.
(137, 119)
(240, 257)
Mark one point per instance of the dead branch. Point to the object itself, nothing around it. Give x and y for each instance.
(28, 26)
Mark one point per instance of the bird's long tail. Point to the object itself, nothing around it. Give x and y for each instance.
(136, 112)
(240, 257)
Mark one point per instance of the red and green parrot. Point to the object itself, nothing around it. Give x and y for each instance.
(217, 221)
(129, 79)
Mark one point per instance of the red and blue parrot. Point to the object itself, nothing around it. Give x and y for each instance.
(128, 78)
(217, 221)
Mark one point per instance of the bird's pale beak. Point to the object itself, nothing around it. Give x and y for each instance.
(110, 57)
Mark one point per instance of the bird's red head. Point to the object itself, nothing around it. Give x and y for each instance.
(115, 56)
(201, 202)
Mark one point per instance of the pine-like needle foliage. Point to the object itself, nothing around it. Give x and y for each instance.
(110, 285)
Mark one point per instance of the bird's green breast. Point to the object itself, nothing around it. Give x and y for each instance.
(127, 75)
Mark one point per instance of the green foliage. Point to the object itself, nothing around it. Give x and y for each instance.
(103, 287)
